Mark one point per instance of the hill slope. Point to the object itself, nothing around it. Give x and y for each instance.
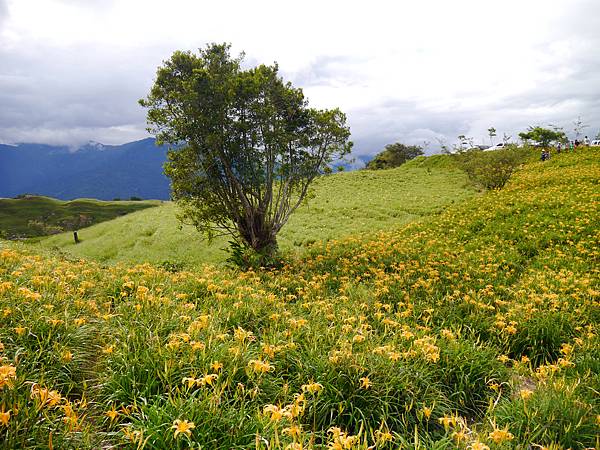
(37, 216)
(343, 204)
(474, 329)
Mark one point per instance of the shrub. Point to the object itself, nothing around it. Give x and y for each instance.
(493, 169)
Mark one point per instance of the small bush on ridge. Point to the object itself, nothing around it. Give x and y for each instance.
(492, 169)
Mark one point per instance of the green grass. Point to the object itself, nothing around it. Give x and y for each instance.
(37, 215)
(341, 205)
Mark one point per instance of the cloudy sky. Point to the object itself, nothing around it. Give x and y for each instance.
(73, 70)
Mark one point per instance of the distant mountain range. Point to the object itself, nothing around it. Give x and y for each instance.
(104, 172)
(94, 170)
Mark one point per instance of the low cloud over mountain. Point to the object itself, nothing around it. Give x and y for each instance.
(73, 71)
(94, 170)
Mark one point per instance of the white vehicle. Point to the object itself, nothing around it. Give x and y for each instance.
(498, 146)
(595, 143)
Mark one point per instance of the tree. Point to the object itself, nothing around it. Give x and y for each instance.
(464, 143)
(491, 134)
(445, 150)
(543, 136)
(578, 126)
(562, 135)
(243, 144)
(394, 155)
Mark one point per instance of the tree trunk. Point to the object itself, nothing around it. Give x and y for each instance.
(267, 247)
(259, 236)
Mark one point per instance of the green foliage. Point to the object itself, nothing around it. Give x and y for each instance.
(492, 169)
(41, 228)
(542, 136)
(541, 336)
(559, 412)
(394, 155)
(171, 266)
(467, 370)
(244, 257)
(491, 134)
(245, 146)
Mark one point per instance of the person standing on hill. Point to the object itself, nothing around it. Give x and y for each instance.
(586, 141)
(545, 155)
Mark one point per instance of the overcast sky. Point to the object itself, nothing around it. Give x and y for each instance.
(408, 71)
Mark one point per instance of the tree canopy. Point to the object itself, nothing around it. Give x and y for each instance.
(244, 145)
(543, 136)
(394, 155)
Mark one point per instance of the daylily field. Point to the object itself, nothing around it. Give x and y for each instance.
(476, 328)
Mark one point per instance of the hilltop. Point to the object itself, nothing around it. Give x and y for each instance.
(341, 204)
(475, 328)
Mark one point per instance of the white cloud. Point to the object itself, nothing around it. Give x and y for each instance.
(401, 71)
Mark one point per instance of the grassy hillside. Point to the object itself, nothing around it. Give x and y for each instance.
(37, 216)
(474, 329)
(343, 204)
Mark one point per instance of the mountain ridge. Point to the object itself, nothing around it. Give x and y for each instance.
(134, 169)
(94, 170)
